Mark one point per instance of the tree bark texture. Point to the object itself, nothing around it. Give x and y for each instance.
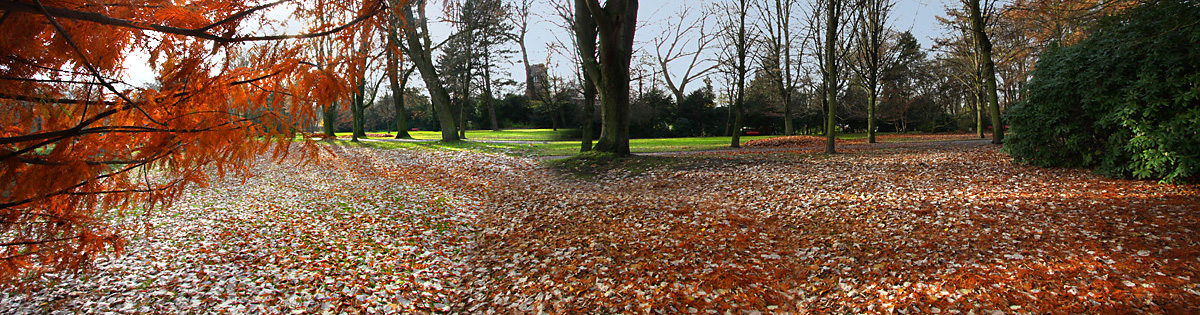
(605, 37)
(419, 53)
(398, 84)
(589, 115)
(739, 106)
(984, 45)
(831, 73)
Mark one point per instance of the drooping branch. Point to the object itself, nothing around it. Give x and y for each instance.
(668, 49)
(39, 99)
(81, 128)
(71, 188)
(201, 33)
(239, 15)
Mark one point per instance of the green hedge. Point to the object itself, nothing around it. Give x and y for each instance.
(1125, 101)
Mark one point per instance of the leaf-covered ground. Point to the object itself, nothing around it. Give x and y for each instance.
(331, 236)
(925, 228)
(922, 228)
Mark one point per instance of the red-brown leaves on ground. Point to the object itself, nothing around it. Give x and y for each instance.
(921, 228)
(800, 141)
(916, 228)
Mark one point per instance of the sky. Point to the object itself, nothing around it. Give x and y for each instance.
(918, 16)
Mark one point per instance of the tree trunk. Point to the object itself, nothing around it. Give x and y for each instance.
(401, 116)
(831, 74)
(357, 107)
(739, 106)
(562, 116)
(397, 83)
(984, 44)
(418, 53)
(872, 97)
(874, 14)
(735, 140)
(464, 97)
(729, 120)
(398, 91)
(785, 71)
(462, 117)
(729, 111)
(589, 115)
(525, 61)
(329, 120)
(491, 104)
(979, 110)
(553, 121)
(788, 129)
(487, 88)
(607, 33)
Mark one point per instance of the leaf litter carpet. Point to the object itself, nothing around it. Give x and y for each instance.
(925, 228)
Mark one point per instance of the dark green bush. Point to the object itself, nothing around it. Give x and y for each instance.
(1125, 101)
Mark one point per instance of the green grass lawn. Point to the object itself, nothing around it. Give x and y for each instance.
(506, 148)
(553, 145)
(644, 145)
(562, 147)
(508, 134)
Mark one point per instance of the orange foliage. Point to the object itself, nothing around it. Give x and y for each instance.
(800, 141)
(79, 145)
(1066, 22)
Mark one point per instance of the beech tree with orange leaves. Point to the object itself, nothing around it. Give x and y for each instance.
(78, 143)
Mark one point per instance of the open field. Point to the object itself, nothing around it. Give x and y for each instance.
(558, 148)
(902, 227)
(546, 142)
(506, 134)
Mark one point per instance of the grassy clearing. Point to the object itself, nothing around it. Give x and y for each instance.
(504, 148)
(645, 145)
(551, 146)
(509, 134)
(549, 142)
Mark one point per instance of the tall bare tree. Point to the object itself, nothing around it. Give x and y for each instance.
(686, 39)
(520, 21)
(735, 36)
(871, 56)
(324, 50)
(420, 51)
(777, 52)
(396, 77)
(979, 15)
(833, 15)
(489, 30)
(828, 22)
(458, 65)
(959, 51)
(604, 34)
(364, 93)
(564, 12)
